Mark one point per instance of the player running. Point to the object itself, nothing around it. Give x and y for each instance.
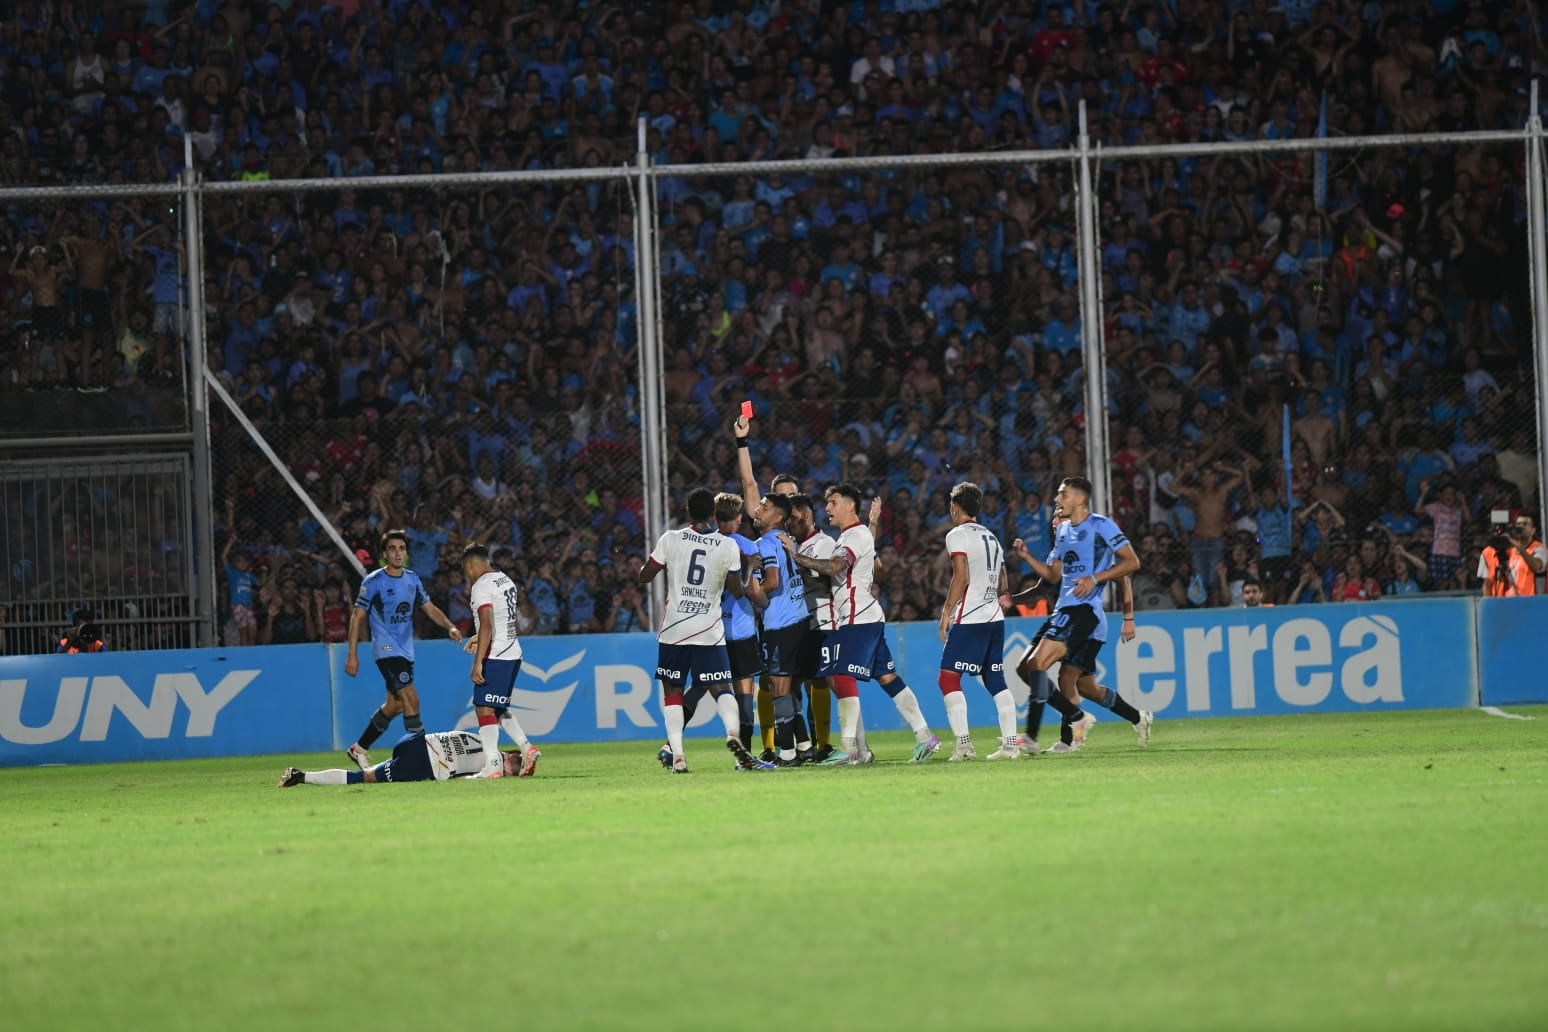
(700, 563)
(417, 757)
(779, 592)
(858, 648)
(496, 603)
(388, 598)
(973, 624)
(1089, 549)
(1086, 686)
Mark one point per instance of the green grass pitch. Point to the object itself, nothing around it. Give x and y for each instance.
(1327, 872)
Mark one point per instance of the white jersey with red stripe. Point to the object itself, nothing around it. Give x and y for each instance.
(819, 589)
(985, 559)
(696, 561)
(499, 593)
(853, 590)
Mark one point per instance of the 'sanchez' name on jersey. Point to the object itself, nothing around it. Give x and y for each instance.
(696, 566)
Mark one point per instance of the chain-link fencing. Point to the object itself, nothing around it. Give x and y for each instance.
(459, 363)
(1321, 378)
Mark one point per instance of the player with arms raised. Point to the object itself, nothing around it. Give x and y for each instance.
(700, 563)
(1089, 549)
(388, 598)
(973, 624)
(857, 649)
(497, 609)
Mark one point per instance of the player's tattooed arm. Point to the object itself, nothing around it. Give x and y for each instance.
(833, 567)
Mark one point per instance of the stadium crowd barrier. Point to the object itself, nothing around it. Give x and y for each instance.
(1414, 654)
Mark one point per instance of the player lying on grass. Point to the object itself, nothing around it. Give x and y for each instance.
(417, 757)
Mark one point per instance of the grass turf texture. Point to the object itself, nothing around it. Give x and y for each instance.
(1317, 871)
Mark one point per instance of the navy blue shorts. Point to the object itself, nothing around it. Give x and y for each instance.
(397, 673)
(706, 665)
(810, 660)
(857, 650)
(782, 650)
(743, 654)
(499, 679)
(1073, 626)
(974, 648)
(410, 761)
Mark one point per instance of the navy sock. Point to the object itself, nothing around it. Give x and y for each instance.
(413, 725)
(374, 729)
(691, 699)
(354, 777)
(1115, 702)
(1035, 718)
(895, 687)
(746, 708)
(784, 722)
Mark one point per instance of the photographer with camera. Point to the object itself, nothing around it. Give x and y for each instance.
(1523, 535)
(1504, 572)
(83, 634)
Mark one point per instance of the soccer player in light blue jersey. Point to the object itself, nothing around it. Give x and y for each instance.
(1089, 550)
(388, 599)
(779, 592)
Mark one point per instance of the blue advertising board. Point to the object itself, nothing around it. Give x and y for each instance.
(1416, 654)
(1241, 662)
(1513, 650)
(116, 706)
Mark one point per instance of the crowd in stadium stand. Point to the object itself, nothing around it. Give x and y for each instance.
(461, 361)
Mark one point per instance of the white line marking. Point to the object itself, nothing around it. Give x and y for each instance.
(1495, 711)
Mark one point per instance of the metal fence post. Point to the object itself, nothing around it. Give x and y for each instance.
(1092, 358)
(202, 514)
(1537, 248)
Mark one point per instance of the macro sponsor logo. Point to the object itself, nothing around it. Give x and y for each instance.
(89, 703)
(1306, 661)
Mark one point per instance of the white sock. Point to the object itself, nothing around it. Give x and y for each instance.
(729, 716)
(512, 727)
(860, 732)
(489, 735)
(1005, 707)
(787, 754)
(674, 724)
(908, 707)
(326, 777)
(849, 718)
(956, 716)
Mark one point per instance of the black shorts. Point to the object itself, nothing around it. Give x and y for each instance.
(783, 650)
(49, 322)
(745, 661)
(1277, 568)
(1073, 627)
(810, 657)
(397, 673)
(95, 310)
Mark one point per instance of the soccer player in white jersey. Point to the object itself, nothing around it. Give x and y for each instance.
(417, 757)
(1089, 549)
(823, 621)
(700, 563)
(973, 624)
(496, 603)
(857, 649)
